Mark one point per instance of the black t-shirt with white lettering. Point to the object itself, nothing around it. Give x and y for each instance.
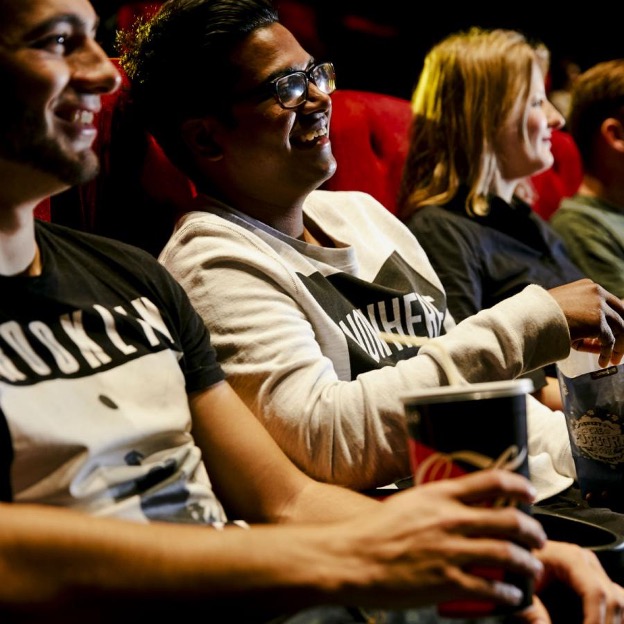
(97, 356)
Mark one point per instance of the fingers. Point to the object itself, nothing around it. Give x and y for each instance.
(602, 599)
(477, 569)
(478, 491)
(609, 354)
(486, 585)
(473, 514)
(612, 331)
(485, 486)
(504, 524)
(595, 318)
(535, 614)
(614, 320)
(487, 558)
(456, 548)
(606, 348)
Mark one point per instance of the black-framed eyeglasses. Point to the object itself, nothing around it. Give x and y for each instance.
(291, 90)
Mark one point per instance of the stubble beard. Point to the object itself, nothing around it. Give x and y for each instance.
(29, 144)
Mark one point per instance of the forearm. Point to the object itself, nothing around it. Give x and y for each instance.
(57, 561)
(254, 479)
(57, 564)
(322, 502)
(519, 334)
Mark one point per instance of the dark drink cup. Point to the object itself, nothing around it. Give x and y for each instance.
(457, 429)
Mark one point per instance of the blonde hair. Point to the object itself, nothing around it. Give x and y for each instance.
(469, 85)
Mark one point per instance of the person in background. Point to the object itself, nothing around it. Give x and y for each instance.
(564, 72)
(592, 221)
(482, 126)
(110, 508)
(299, 286)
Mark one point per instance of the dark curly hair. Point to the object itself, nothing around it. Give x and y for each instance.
(179, 63)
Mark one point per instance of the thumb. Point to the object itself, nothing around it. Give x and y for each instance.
(535, 614)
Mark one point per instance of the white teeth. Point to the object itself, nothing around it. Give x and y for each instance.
(83, 117)
(314, 134)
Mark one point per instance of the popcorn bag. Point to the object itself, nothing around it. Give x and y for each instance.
(593, 404)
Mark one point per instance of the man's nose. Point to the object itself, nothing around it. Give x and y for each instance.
(94, 71)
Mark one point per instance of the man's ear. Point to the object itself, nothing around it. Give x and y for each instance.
(201, 138)
(613, 131)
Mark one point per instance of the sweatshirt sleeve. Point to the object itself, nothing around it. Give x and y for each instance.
(551, 464)
(350, 432)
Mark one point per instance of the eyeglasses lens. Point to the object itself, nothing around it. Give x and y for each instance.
(324, 77)
(292, 90)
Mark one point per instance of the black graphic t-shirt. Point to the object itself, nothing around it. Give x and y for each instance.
(97, 355)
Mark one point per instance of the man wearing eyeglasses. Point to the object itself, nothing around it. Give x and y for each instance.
(297, 285)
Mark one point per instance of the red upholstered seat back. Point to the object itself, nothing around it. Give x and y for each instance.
(562, 179)
(42, 211)
(369, 135)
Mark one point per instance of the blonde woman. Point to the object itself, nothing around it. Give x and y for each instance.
(482, 126)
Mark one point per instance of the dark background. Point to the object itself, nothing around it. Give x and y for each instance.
(380, 45)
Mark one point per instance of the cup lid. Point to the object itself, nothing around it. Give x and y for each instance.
(485, 390)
